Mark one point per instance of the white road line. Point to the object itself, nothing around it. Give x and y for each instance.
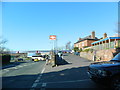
(20, 66)
(24, 65)
(44, 84)
(36, 81)
(43, 70)
(15, 68)
(70, 81)
(34, 85)
(6, 70)
(38, 78)
(40, 75)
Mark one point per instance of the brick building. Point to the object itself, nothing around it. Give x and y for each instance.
(86, 41)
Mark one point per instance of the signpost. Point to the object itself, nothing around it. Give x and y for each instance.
(53, 38)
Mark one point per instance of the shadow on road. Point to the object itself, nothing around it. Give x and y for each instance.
(67, 78)
(61, 61)
(12, 64)
(17, 82)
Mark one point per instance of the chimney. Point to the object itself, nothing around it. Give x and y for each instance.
(104, 36)
(80, 39)
(93, 35)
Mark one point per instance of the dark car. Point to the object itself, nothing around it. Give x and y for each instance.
(106, 73)
(20, 59)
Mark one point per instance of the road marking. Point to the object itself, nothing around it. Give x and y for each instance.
(34, 85)
(70, 81)
(38, 77)
(43, 70)
(24, 65)
(15, 68)
(44, 84)
(36, 81)
(6, 70)
(20, 66)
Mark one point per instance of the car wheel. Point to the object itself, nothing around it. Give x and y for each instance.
(116, 83)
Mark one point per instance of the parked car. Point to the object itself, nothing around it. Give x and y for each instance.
(38, 58)
(20, 59)
(106, 73)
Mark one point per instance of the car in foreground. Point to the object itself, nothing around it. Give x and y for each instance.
(106, 73)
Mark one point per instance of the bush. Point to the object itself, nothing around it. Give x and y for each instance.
(76, 49)
(86, 50)
(85, 46)
(91, 50)
(80, 50)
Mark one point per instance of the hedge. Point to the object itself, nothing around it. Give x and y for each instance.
(5, 58)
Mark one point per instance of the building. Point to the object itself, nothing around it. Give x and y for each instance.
(86, 41)
(106, 43)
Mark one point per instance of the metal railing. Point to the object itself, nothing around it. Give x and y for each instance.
(110, 45)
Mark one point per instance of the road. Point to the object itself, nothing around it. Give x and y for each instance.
(21, 75)
(72, 74)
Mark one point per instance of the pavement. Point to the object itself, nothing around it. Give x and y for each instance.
(73, 62)
(70, 75)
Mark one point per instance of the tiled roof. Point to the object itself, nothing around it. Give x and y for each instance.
(87, 38)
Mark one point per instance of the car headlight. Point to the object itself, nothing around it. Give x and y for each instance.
(102, 72)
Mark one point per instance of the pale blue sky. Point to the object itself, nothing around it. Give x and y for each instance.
(27, 25)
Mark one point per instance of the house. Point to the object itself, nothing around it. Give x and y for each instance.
(86, 41)
(106, 43)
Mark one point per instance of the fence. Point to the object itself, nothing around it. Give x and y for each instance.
(110, 45)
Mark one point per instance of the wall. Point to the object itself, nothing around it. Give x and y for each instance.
(102, 55)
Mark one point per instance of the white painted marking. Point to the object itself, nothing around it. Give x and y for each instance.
(43, 70)
(40, 75)
(24, 65)
(44, 84)
(70, 81)
(36, 81)
(15, 68)
(34, 85)
(38, 78)
(20, 66)
(6, 70)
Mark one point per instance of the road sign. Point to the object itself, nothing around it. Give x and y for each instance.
(52, 37)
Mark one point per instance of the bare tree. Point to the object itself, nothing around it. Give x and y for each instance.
(68, 46)
(3, 49)
(117, 30)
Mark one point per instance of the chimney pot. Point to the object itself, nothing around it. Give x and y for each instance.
(105, 35)
(93, 35)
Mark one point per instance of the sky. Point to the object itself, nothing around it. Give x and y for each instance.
(28, 25)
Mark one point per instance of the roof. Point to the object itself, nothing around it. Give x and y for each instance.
(105, 39)
(86, 39)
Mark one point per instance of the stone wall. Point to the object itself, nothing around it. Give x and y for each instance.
(101, 55)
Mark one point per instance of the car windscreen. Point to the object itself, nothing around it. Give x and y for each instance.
(116, 58)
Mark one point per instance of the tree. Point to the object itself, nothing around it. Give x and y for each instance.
(76, 49)
(3, 49)
(117, 30)
(68, 46)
